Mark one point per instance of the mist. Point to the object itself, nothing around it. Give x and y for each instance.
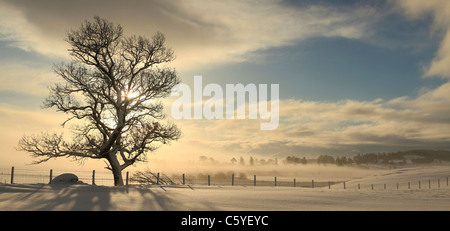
(217, 170)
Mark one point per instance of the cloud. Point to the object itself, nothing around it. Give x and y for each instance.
(19, 31)
(202, 33)
(306, 128)
(343, 127)
(20, 78)
(217, 32)
(439, 10)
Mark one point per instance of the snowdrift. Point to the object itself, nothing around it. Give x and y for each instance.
(193, 197)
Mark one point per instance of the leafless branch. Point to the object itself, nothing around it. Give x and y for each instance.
(112, 84)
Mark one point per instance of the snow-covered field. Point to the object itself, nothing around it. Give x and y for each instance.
(143, 198)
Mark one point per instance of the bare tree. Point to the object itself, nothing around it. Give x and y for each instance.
(112, 86)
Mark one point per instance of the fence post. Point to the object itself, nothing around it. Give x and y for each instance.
(447, 181)
(429, 184)
(329, 185)
(359, 187)
(209, 180)
(51, 176)
(275, 181)
(254, 180)
(312, 183)
(294, 182)
(439, 183)
(344, 184)
(384, 186)
(93, 177)
(12, 175)
(419, 185)
(232, 179)
(397, 186)
(409, 185)
(184, 179)
(372, 186)
(157, 178)
(126, 180)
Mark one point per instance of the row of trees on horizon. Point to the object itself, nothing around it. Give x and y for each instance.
(392, 158)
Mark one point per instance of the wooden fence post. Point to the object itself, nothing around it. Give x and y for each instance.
(359, 186)
(51, 176)
(12, 175)
(439, 183)
(209, 180)
(294, 182)
(419, 185)
(312, 183)
(409, 185)
(429, 184)
(275, 181)
(329, 185)
(384, 186)
(93, 177)
(157, 178)
(372, 186)
(126, 179)
(184, 179)
(232, 179)
(254, 180)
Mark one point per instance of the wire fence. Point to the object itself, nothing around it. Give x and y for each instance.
(31, 176)
(254, 180)
(421, 183)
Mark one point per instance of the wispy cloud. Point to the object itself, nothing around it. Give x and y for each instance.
(21, 78)
(218, 32)
(306, 128)
(20, 31)
(201, 33)
(345, 127)
(439, 11)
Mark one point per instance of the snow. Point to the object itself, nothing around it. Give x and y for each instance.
(37, 197)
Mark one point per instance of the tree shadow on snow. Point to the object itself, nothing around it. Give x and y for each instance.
(43, 197)
(83, 197)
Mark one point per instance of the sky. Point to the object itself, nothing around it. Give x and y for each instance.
(354, 76)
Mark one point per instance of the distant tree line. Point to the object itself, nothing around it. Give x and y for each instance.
(322, 159)
(254, 161)
(402, 157)
(391, 158)
(295, 160)
(397, 158)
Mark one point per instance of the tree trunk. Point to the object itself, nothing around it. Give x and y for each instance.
(115, 169)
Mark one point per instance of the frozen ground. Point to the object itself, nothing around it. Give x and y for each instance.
(88, 197)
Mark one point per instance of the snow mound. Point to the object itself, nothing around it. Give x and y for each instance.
(65, 178)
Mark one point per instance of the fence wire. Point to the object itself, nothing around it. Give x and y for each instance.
(32, 176)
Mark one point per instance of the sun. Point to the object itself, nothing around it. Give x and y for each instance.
(134, 96)
(131, 94)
